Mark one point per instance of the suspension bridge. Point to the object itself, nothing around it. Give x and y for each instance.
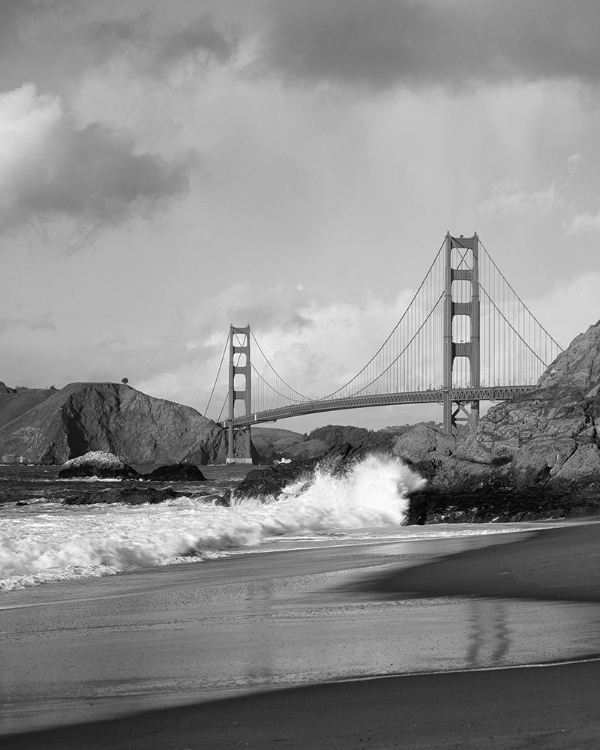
(465, 337)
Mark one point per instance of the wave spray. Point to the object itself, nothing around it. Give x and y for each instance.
(63, 542)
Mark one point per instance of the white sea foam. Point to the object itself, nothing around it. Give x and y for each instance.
(86, 541)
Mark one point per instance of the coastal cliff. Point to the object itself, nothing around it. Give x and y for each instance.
(108, 417)
(538, 452)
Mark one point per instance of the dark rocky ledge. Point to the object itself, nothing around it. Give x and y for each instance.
(129, 495)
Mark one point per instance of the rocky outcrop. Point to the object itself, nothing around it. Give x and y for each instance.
(126, 495)
(97, 464)
(548, 436)
(424, 448)
(176, 473)
(535, 456)
(270, 481)
(133, 494)
(115, 418)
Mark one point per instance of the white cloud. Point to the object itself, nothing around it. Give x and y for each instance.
(509, 199)
(583, 223)
(315, 347)
(580, 295)
(574, 162)
(50, 168)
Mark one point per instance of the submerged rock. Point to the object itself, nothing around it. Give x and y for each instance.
(97, 464)
(176, 473)
(129, 495)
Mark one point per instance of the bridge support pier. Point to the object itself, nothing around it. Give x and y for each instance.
(461, 263)
(239, 344)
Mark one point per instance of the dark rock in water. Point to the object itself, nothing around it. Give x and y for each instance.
(20, 503)
(97, 464)
(176, 473)
(499, 502)
(270, 481)
(219, 500)
(129, 495)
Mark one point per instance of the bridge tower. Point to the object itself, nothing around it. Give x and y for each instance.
(461, 264)
(239, 343)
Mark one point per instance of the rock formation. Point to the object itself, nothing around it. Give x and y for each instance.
(97, 464)
(537, 455)
(176, 473)
(270, 481)
(114, 418)
(129, 495)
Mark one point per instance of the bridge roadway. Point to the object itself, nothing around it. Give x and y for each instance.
(488, 393)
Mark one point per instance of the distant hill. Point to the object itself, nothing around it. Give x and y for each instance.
(15, 402)
(273, 443)
(50, 427)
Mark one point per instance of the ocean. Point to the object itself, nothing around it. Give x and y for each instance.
(43, 540)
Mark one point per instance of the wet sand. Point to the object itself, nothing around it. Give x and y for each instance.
(548, 707)
(193, 652)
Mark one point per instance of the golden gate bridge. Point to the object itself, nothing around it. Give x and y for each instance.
(465, 337)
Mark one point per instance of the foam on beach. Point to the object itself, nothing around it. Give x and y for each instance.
(46, 541)
(60, 543)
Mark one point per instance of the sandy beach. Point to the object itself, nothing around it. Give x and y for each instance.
(441, 643)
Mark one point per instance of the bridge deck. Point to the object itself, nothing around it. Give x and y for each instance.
(494, 393)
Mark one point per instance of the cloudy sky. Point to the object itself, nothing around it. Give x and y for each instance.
(167, 169)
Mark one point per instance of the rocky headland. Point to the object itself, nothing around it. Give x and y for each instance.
(534, 456)
(49, 427)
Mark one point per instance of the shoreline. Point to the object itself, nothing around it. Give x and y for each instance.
(488, 603)
(551, 707)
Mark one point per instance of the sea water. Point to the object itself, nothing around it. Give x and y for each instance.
(45, 540)
(201, 629)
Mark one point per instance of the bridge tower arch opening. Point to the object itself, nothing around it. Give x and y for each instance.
(240, 389)
(461, 340)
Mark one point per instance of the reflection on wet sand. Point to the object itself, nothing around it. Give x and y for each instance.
(490, 636)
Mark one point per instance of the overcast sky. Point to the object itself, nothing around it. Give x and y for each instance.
(169, 168)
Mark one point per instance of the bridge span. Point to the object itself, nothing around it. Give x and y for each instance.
(456, 395)
(465, 337)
